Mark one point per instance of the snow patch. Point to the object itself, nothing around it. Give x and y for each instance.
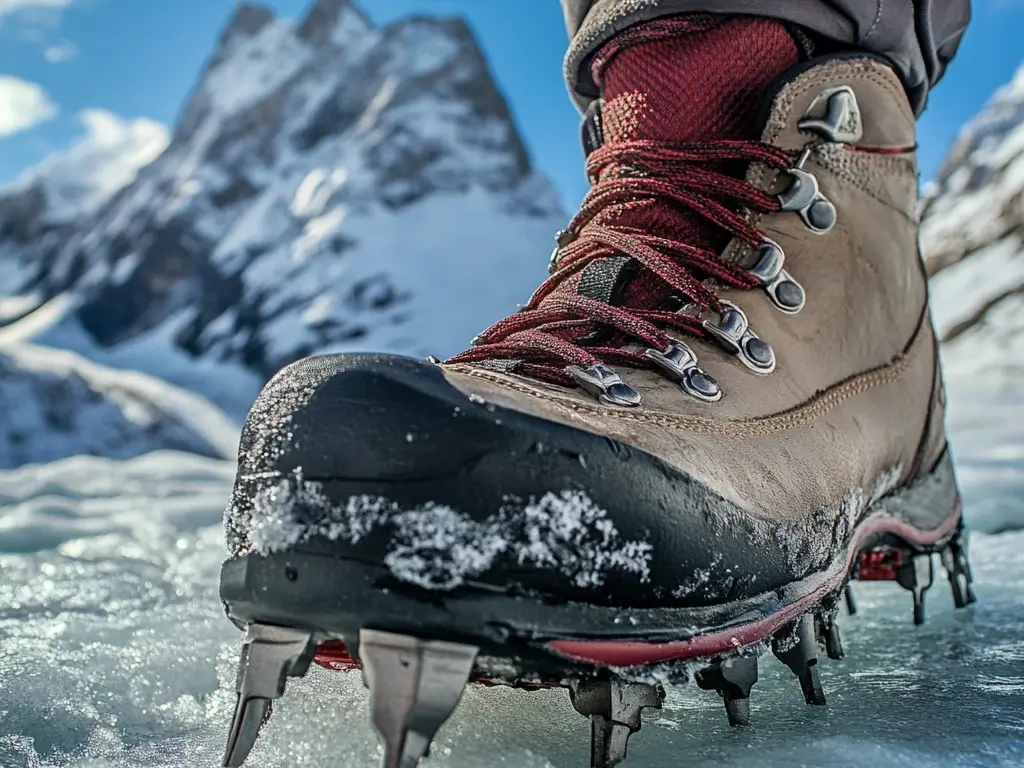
(255, 68)
(885, 483)
(958, 291)
(700, 579)
(859, 500)
(70, 503)
(315, 190)
(227, 385)
(436, 547)
(56, 404)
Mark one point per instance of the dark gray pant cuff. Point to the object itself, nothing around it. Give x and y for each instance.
(918, 37)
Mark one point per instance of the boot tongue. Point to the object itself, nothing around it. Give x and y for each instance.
(690, 78)
(682, 79)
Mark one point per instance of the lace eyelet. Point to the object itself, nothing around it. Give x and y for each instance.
(604, 384)
(803, 196)
(785, 292)
(842, 122)
(679, 363)
(735, 336)
(562, 238)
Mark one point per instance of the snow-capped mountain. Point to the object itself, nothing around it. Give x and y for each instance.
(973, 238)
(329, 184)
(56, 404)
(41, 208)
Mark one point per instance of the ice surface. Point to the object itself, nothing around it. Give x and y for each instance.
(115, 652)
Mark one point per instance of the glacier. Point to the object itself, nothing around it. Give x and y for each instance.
(115, 653)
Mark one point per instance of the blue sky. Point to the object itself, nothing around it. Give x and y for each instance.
(140, 58)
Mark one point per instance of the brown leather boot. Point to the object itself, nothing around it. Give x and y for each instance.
(723, 405)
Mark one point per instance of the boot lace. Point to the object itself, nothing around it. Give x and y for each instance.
(624, 176)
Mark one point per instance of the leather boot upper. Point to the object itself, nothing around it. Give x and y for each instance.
(479, 475)
(854, 400)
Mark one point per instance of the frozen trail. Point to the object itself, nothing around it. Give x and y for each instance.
(114, 651)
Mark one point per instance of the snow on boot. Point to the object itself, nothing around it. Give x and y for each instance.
(723, 404)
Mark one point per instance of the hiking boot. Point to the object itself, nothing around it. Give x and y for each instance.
(723, 405)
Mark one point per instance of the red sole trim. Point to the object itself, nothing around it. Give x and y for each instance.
(633, 653)
(334, 655)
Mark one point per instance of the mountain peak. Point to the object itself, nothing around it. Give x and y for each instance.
(328, 186)
(247, 20)
(336, 21)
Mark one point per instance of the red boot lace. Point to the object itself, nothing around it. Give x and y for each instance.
(681, 173)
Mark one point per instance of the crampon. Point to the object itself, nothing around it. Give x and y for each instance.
(416, 672)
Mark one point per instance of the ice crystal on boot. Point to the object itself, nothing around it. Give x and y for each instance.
(806, 552)
(437, 547)
(570, 532)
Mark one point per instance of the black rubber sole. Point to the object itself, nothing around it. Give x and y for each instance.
(529, 637)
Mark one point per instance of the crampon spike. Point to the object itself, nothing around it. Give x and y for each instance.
(414, 685)
(614, 711)
(270, 656)
(733, 678)
(802, 659)
(827, 632)
(958, 571)
(851, 603)
(916, 575)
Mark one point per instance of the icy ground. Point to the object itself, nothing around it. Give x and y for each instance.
(114, 652)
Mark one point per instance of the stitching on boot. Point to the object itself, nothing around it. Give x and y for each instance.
(880, 167)
(798, 416)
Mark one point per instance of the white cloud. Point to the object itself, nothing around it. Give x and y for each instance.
(99, 164)
(65, 51)
(22, 105)
(14, 6)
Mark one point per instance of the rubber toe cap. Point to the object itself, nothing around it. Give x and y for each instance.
(449, 491)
